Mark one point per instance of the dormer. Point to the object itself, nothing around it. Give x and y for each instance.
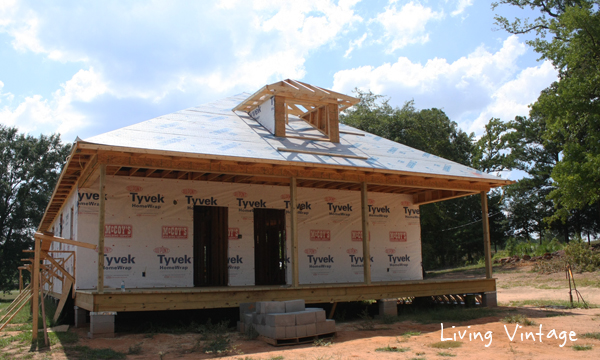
(273, 104)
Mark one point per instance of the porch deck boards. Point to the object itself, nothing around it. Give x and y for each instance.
(155, 299)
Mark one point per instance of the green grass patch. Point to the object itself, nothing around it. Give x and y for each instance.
(411, 333)
(392, 349)
(87, 353)
(594, 335)
(518, 319)
(446, 354)
(581, 347)
(549, 303)
(446, 344)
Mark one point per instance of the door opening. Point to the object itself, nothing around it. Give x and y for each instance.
(210, 246)
(269, 247)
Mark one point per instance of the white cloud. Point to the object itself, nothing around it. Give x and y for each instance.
(355, 44)
(461, 6)
(468, 89)
(38, 115)
(407, 25)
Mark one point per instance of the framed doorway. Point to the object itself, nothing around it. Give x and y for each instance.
(269, 247)
(210, 246)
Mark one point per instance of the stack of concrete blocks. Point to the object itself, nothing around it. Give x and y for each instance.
(102, 324)
(388, 307)
(284, 319)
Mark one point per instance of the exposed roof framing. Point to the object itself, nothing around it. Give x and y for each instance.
(297, 94)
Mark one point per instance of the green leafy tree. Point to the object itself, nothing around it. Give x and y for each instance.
(568, 35)
(451, 232)
(29, 169)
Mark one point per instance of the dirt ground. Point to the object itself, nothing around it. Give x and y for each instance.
(515, 284)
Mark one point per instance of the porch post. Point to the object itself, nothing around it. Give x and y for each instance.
(294, 228)
(101, 216)
(35, 289)
(364, 206)
(486, 235)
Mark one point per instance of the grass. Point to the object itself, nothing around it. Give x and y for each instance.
(446, 354)
(518, 319)
(392, 349)
(411, 333)
(557, 303)
(594, 335)
(581, 347)
(322, 342)
(87, 353)
(446, 344)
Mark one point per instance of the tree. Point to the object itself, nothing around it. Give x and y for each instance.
(29, 169)
(568, 35)
(451, 231)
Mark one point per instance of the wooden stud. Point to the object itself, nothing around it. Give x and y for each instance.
(364, 206)
(294, 229)
(44, 314)
(35, 290)
(58, 266)
(486, 236)
(20, 281)
(279, 116)
(101, 219)
(63, 298)
(332, 311)
(333, 123)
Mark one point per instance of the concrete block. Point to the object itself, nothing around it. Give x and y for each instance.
(305, 317)
(261, 329)
(247, 319)
(319, 313)
(489, 299)
(290, 332)
(294, 305)
(80, 317)
(300, 330)
(311, 329)
(258, 319)
(280, 319)
(325, 327)
(241, 327)
(246, 308)
(275, 332)
(101, 328)
(98, 319)
(388, 307)
(270, 307)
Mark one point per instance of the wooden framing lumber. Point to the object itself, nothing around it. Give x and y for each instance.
(320, 153)
(35, 289)
(486, 235)
(101, 217)
(63, 298)
(364, 206)
(221, 297)
(49, 238)
(46, 256)
(280, 115)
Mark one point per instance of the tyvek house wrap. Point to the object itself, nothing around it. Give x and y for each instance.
(214, 129)
(149, 232)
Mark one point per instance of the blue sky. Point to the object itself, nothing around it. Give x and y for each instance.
(82, 68)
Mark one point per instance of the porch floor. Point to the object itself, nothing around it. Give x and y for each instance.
(154, 299)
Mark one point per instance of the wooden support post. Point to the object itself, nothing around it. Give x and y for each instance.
(332, 311)
(101, 216)
(44, 315)
(333, 123)
(35, 289)
(279, 116)
(20, 281)
(486, 235)
(364, 206)
(294, 228)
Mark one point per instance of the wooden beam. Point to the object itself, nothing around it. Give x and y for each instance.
(364, 206)
(47, 256)
(279, 116)
(333, 123)
(431, 196)
(101, 218)
(294, 229)
(49, 238)
(63, 298)
(486, 236)
(35, 290)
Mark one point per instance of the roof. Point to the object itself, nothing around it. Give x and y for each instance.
(215, 129)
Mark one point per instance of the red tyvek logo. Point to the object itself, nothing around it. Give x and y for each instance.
(390, 251)
(240, 194)
(134, 188)
(233, 233)
(162, 250)
(189, 192)
(352, 251)
(310, 251)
